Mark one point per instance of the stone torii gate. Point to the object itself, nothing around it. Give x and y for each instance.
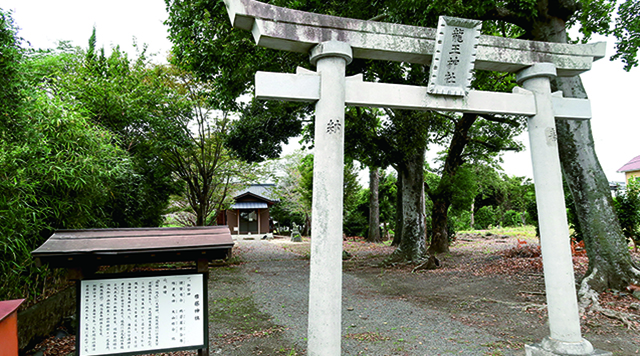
(453, 50)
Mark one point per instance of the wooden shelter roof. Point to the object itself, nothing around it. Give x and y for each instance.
(75, 248)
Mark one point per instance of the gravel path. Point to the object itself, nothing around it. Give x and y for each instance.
(260, 307)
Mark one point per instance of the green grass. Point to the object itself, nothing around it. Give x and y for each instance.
(527, 231)
(240, 312)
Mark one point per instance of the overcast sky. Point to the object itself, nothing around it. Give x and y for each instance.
(615, 124)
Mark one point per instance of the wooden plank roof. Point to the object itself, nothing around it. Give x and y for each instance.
(72, 248)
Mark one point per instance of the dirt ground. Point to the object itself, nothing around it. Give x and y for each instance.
(504, 294)
(495, 282)
(489, 282)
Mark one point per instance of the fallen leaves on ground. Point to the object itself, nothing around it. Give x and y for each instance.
(367, 336)
(500, 255)
(234, 337)
(56, 346)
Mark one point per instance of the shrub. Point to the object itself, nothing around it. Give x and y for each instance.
(627, 207)
(484, 217)
(459, 221)
(511, 218)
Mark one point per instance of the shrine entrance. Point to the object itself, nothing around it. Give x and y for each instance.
(248, 221)
(453, 51)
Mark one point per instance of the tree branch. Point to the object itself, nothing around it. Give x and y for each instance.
(503, 120)
(506, 15)
(494, 148)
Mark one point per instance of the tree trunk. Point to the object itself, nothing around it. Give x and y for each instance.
(306, 231)
(412, 246)
(199, 218)
(473, 216)
(374, 205)
(397, 236)
(439, 226)
(442, 194)
(610, 263)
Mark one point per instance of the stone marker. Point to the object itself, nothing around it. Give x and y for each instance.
(295, 234)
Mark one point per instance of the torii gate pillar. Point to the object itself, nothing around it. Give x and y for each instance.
(562, 305)
(325, 280)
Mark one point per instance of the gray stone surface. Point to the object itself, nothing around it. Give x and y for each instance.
(537, 350)
(331, 59)
(562, 302)
(295, 234)
(292, 30)
(305, 86)
(455, 55)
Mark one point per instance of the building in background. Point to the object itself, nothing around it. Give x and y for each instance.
(631, 169)
(250, 212)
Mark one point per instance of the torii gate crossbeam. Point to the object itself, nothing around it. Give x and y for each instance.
(305, 87)
(298, 31)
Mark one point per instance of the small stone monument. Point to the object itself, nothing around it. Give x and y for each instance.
(295, 234)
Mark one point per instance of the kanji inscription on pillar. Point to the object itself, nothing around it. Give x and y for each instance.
(128, 315)
(454, 56)
(333, 126)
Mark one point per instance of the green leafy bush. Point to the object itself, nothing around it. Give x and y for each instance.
(627, 207)
(57, 169)
(485, 217)
(460, 220)
(511, 218)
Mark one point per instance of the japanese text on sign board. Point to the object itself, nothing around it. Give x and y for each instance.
(136, 314)
(457, 38)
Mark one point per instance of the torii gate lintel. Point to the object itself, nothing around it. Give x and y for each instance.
(304, 86)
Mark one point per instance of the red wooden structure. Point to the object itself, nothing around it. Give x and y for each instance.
(9, 327)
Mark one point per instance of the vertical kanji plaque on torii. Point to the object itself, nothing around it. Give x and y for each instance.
(454, 56)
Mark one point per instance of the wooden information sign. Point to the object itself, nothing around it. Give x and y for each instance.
(142, 314)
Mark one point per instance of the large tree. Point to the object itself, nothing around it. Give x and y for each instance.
(543, 20)
(206, 43)
(208, 169)
(610, 264)
(475, 140)
(399, 139)
(373, 234)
